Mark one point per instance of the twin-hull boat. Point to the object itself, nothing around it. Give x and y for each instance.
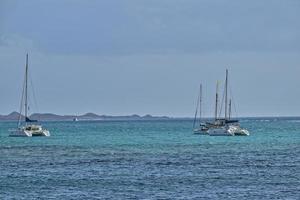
(29, 129)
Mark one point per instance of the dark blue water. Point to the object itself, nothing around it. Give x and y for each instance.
(151, 160)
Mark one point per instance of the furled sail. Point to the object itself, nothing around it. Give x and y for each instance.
(30, 120)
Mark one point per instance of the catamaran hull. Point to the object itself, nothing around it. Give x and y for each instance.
(242, 132)
(220, 132)
(41, 133)
(238, 131)
(22, 133)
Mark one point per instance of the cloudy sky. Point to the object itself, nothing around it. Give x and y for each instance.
(123, 57)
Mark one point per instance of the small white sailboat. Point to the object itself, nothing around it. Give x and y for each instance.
(201, 129)
(28, 127)
(75, 119)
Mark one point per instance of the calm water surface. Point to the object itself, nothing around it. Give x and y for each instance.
(151, 160)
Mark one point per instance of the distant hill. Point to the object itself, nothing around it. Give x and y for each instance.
(10, 117)
(14, 116)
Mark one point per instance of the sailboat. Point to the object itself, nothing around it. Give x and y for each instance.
(226, 126)
(200, 129)
(28, 127)
(219, 126)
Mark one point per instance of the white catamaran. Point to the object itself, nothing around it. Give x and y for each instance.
(28, 127)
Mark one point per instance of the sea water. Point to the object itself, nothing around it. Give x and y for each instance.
(151, 160)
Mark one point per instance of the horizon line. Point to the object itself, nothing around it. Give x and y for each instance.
(143, 115)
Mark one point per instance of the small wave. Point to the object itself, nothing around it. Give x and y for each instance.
(263, 120)
(294, 121)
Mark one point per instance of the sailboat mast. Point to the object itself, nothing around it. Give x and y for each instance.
(229, 109)
(196, 112)
(26, 88)
(217, 99)
(200, 113)
(226, 93)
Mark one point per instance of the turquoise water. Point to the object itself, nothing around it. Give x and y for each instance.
(151, 160)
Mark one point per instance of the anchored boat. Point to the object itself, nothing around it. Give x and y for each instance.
(225, 126)
(26, 126)
(201, 128)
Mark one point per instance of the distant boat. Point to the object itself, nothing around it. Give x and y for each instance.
(28, 127)
(75, 119)
(199, 127)
(225, 126)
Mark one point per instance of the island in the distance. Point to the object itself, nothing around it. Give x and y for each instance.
(14, 116)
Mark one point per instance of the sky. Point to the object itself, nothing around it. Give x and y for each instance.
(123, 57)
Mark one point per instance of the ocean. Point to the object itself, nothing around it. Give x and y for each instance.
(151, 160)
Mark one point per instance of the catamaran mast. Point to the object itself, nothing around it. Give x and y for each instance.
(26, 89)
(226, 93)
(217, 99)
